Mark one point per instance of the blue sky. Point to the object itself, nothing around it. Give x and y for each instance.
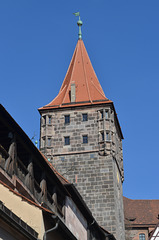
(37, 40)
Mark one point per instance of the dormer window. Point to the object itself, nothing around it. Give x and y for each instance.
(67, 119)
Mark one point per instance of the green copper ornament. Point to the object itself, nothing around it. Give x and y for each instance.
(79, 23)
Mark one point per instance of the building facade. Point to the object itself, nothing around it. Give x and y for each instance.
(81, 136)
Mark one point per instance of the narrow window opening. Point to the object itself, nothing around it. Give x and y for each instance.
(85, 117)
(49, 120)
(101, 113)
(42, 142)
(44, 120)
(49, 142)
(102, 135)
(67, 119)
(67, 140)
(85, 139)
(108, 136)
(106, 114)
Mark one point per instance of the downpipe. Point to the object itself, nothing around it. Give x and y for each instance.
(51, 229)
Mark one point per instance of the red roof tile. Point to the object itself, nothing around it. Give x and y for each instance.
(141, 212)
(87, 87)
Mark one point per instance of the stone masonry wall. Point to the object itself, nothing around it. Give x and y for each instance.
(96, 167)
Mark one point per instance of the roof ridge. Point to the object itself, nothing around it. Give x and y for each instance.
(129, 199)
(94, 71)
(85, 75)
(69, 67)
(98, 89)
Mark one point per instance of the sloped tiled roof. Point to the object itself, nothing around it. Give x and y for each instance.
(141, 212)
(87, 87)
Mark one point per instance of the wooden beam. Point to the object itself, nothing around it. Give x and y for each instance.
(43, 187)
(29, 179)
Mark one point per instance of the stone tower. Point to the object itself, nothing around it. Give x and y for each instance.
(81, 136)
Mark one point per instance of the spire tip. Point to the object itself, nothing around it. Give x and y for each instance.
(79, 23)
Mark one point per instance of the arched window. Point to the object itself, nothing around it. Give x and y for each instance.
(141, 236)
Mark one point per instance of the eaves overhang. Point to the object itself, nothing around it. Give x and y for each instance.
(75, 104)
(138, 225)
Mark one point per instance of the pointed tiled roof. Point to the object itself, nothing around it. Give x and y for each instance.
(87, 87)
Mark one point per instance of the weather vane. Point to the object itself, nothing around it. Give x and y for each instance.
(79, 23)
